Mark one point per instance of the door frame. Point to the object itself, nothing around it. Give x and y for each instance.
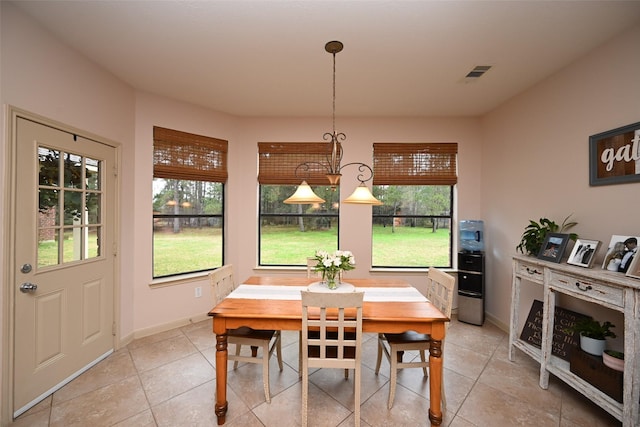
(8, 260)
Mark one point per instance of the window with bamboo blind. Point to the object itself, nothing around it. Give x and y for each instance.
(189, 173)
(415, 181)
(288, 234)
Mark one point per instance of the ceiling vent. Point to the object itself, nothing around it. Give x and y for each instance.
(476, 73)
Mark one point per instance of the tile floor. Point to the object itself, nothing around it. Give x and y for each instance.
(168, 379)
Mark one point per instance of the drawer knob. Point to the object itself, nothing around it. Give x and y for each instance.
(583, 288)
(532, 271)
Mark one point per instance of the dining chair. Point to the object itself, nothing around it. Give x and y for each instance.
(440, 292)
(331, 338)
(222, 284)
(311, 273)
(311, 265)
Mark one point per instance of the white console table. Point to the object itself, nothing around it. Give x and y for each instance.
(609, 289)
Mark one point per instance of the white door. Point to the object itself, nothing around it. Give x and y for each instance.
(64, 258)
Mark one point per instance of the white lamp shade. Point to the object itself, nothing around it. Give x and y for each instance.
(362, 196)
(304, 195)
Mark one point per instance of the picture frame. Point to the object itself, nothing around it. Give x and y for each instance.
(613, 156)
(553, 247)
(634, 268)
(583, 252)
(615, 252)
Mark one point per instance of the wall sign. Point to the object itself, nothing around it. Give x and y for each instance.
(614, 156)
(563, 340)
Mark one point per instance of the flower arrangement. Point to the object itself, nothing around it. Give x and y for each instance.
(332, 264)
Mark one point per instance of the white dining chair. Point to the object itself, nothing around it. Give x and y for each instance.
(222, 284)
(440, 292)
(331, 338)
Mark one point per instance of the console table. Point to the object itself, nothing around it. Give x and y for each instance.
(606, 288)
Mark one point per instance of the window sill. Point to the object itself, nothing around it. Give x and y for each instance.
(178, 280)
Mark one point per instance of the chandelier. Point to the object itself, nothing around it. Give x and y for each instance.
(333, 167)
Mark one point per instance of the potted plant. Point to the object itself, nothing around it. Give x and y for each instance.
(613, 359)
(592, 334)
(535, 233)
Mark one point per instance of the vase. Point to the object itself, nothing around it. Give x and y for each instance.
(331, 278)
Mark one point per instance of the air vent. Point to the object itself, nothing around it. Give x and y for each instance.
(478, 71)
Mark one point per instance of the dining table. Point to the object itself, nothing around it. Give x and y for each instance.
(270, 302)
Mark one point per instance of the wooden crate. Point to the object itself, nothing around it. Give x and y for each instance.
(591, 369)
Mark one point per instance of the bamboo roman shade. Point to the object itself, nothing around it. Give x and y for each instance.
(182, 155)
(415, 163)
(278, 162)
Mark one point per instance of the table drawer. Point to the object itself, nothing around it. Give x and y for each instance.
(591, 289)
(531, 272)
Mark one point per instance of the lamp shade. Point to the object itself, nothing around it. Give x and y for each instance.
(304, 195)
(362, 196)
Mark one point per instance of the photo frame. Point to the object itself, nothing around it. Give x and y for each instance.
(615, 252)
(553, 247)
(614, 156)
(634, 268)
(583, 252)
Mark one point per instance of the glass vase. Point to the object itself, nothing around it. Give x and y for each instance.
(331, 278)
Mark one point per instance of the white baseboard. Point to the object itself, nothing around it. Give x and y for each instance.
(178, 323)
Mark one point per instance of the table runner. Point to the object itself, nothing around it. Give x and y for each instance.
(292, 293)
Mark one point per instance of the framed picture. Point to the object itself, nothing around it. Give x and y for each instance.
(616, 251)
(634, 268)
(553, 247)
(583, 252)
(614, 157)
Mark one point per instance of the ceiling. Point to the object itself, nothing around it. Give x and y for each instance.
(400, 58)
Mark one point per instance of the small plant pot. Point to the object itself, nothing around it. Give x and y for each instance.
(592, 346)
(613, 362)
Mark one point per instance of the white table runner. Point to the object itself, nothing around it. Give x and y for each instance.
(292, 293)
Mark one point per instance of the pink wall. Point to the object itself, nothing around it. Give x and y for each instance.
(165, 302)
(524, 160)
(535, 159)
(42, 76)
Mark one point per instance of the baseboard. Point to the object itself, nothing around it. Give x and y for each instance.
(178, 323)
(495, 321)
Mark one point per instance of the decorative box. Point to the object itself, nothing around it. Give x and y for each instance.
(594, 371)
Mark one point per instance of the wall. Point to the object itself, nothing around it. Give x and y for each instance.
(157, 307)
(535, 160)
(42, 76)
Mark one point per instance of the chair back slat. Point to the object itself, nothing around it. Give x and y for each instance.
(332, 325)
(440, 290)
(222, 283)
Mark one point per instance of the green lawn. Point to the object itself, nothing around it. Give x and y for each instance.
(200, 249)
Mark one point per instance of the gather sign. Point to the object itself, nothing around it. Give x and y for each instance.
(614, 156)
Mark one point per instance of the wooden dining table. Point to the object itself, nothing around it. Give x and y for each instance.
(379, 316)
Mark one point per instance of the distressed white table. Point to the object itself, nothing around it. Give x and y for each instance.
(606, 288)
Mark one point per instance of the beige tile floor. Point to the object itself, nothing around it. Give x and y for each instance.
(168, 379)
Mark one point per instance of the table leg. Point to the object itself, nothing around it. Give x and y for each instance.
(221, 377)
(435, 377)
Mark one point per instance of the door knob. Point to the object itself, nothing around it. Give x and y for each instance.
(28, 287)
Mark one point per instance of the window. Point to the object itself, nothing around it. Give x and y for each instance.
(415, 182)
(189, 172)
(288, 234)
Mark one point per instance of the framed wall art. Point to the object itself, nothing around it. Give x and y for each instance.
(614, 156)
(553, 247)
(583, 252)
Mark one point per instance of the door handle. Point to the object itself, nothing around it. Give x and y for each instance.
(28, 287)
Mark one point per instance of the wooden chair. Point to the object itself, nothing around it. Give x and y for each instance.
(331, 338)
(222, 284)
(440, 293)
(311, 264)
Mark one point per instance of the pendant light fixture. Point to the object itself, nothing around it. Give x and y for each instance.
(362, 195)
